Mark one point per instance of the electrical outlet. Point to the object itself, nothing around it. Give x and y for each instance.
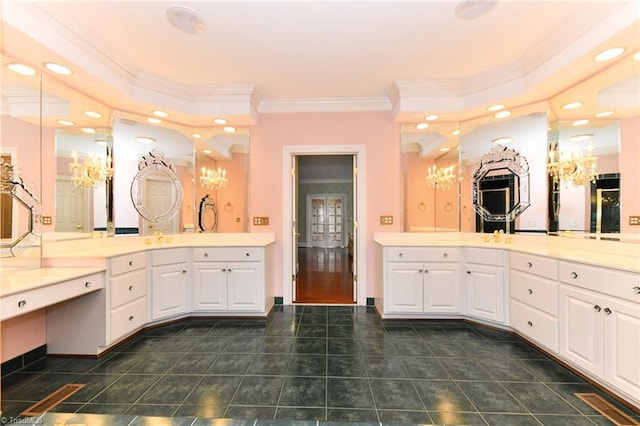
(261, 220)
(46, 220)
(386, 220)
(634, 220)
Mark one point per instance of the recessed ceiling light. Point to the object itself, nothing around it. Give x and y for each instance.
(93, 114)
(229, 129)
(101, 142)
(502, 140)
(159, 113)
(145, 139)
(496, 107)
(579, 138)
(154, 120)
(432, 117)
(445, 149)
(605, 114)
(572, 105)
(502, 114)
(609, 54)
(220, 121)
(207, 151)
(636, 57)
(66, 122)
(186, 20)
(473, 9)
(196, 135)
(421, 126)
(89, 130)
(455, 132)
(57, 68)
(21, 68)
(580, 122)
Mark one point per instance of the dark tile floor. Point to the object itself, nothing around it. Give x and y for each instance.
(313, 363)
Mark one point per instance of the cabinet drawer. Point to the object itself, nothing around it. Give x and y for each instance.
(131, 262)
(485, 256)
(234, 254)
(168, 256)
(536, 291)
(537, 265)
(423, 254)
(127, 287)
(38, 298)
(625, 285)
(535, 325)
(128, 318)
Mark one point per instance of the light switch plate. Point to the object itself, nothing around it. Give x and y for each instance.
(386, 220)
(261, 220)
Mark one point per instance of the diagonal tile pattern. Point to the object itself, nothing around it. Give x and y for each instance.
(313, 363)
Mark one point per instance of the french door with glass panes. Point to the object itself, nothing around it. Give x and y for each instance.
(325, 220)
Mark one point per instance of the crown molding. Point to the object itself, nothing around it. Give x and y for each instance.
(364, 104)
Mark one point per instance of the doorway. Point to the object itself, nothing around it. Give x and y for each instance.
(334, 263)
(495, 197)
(605, 204)
(71, 206)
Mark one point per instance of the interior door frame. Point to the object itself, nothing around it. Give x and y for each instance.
(288, 153)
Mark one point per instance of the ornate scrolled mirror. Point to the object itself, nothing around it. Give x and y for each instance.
(498, 158)
(430, 176)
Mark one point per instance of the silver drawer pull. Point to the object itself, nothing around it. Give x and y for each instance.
(529, 264)
(22, 303)
(426, 271)
(131, 318)
(597, 308)
(574, 275)
(446, 255)
(637, 289)
(131, 263)
(184, 271)
(87, 284)
(248, 254)
(130, 288)
(400, 254)
(206, 255)
(529, 291)
(529, 323)
(607, 311)
(420, 271)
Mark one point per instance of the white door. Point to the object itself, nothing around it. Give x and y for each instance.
(485, 292)
(70, 207)
(441, 288)
(169, 295)
(210, 286)
(159, 198)
(325, 220)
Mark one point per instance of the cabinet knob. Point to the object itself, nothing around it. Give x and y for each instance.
(184, 271)
(607, 311)
(400, 254)
(131, 263)
(574, 275)
(229, 270)
(529, 323)
(87, 284)
(419, 271)
(248, 254)
(529, 264)
(426, 271)
(206, 255)
(446, 255)
(130, 288)
(224, 269)
(637, 289)
(597, 308)
(469, 272)
(131, 318)
(529, 291)
(22, 303)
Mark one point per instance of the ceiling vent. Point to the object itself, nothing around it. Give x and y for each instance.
(186, 20)
(473, 9)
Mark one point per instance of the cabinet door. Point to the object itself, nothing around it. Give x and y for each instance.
(441, 288)
(209, 286)
(169, 296)
(485, 292)
(245, 286)
(622, 346)
(581, 328)
(404, 287)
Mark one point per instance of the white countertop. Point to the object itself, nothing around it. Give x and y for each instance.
(613, 254)
(17, 281)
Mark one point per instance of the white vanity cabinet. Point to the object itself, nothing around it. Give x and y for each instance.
(127, 295)
(230, 279)
(600, 333)
(169, 283)
(419, 280)
(533, 282)
(485, 284)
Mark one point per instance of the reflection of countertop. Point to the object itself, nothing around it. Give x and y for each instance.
(613, 254)
(24, 280)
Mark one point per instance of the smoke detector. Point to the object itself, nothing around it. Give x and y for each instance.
(186, 20)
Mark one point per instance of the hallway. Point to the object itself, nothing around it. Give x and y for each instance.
(324, 276)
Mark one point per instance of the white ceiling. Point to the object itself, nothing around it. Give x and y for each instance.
(407, 57)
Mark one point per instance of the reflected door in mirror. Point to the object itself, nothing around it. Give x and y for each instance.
(70, 207)
(496, 197)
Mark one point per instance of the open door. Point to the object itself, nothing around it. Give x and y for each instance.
(295, 233)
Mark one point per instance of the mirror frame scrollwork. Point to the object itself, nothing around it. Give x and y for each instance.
(21, 190)
(509, 160)
(207, 205)
(153, 162)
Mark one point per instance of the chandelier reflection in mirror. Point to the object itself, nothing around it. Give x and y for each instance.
(92, 172)
(213, 179)
(572, 167)
(440, 178)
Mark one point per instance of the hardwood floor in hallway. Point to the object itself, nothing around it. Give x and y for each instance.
(324, 276)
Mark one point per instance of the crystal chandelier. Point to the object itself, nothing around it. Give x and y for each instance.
(572, 167)
(92, 172)
(213, 179)
(440, 178)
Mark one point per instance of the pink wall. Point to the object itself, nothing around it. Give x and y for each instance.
(374, 130)
(420, 198)
(629, 173)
